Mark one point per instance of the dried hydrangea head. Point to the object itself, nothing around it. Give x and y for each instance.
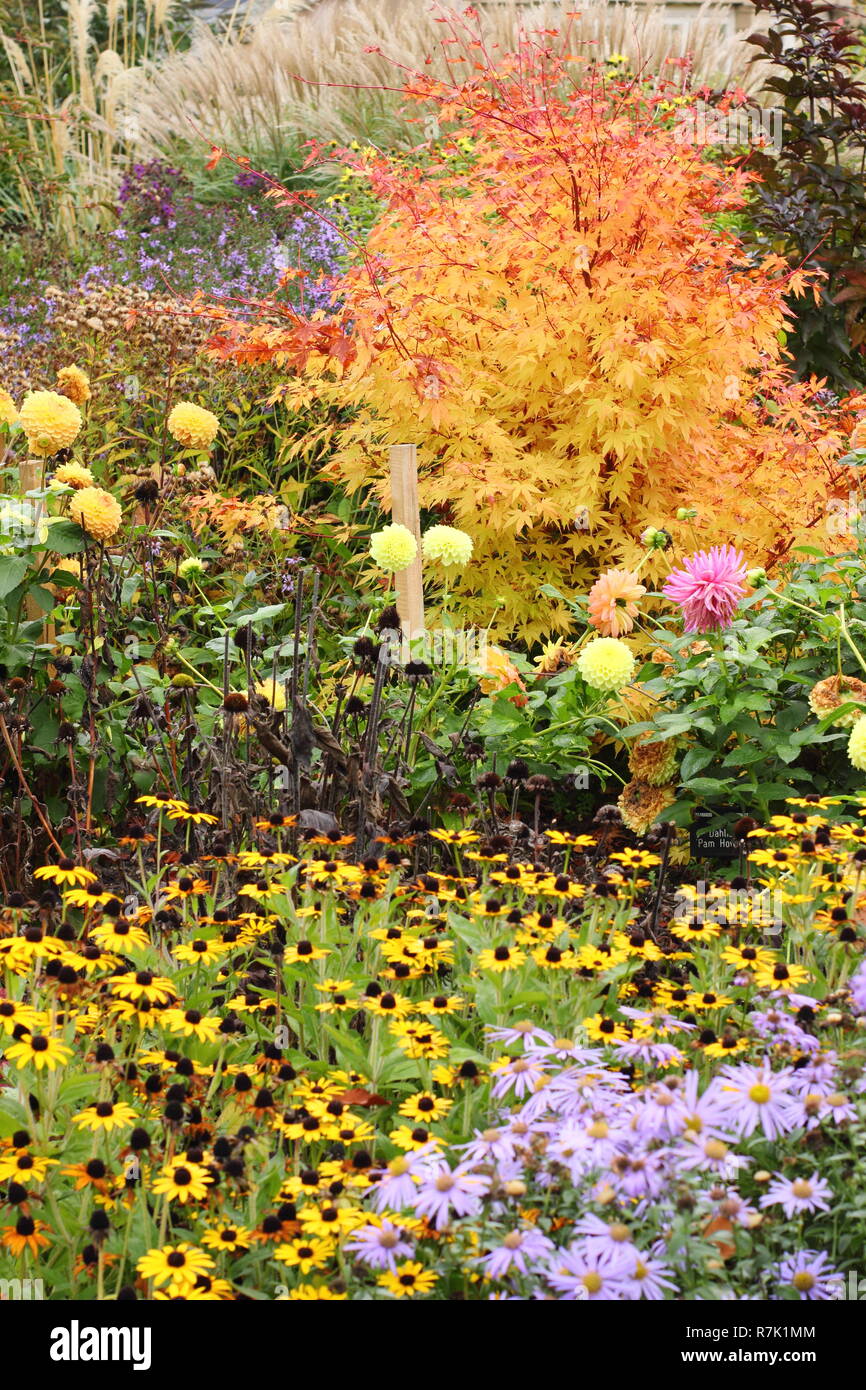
(393, 548)
(50, 422)
(654, 763)
(834, 692)
(606, 664)
(97, 512)
(193, 426)
(445, 545)
(72, 475)
(642, 805)
(73, 383)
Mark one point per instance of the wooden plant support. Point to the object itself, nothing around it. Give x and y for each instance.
(30, 478)
(404, 510)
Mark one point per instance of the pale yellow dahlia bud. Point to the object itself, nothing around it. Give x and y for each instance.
(193, 426)
(393, 548)
(72, 475)
(445, 545)
(654, 763)
(857, 744)
(50, 422)
(606, 664)
(8, 410)
(97, 512)
(75, 384)
(642, 805)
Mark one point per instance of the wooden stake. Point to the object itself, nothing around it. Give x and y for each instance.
(404, 510)
(29, 479)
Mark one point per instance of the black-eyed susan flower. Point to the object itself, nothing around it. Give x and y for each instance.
(424, 1107)
(229, 1238)
(408, 1279)
(17, 1016)
(175, 1265)
(602, 1029)
(501, 958)
(26, 1234)
(41, 1050)
(191, 1023)
(201, 951)
(24, 1167)
(143, 984)
(106, 1115)
(305, 1253)
(66, 872)
(183, 1181)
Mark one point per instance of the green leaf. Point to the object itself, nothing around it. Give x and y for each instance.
(65, 538)
(13, 569)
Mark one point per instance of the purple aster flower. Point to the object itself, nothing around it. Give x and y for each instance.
(522, 1076)
(446, 1191)
(581, 1272)
(755, 1097)
(379, 1247)
(518, 1251)
(398, 1183)
(796, 1195)
(810, 1273)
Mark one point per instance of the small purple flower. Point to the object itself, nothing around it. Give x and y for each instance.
(379, 1247)
(446, 1191)
(754, 1097)
(811, 1275)
(518, 1251)
(797, 1195)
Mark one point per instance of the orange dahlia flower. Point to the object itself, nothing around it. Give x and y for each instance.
(613, 601)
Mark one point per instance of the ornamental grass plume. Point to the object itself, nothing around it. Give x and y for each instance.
(832, 693)
(97, 512)
(393, 548)
(50, 422)
(708, 587)
(613, 601)
(446, 545)
(193, 426)
(606, 664)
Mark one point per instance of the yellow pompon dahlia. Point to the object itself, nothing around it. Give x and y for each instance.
(642, 805)
(8, 410)
(835, 691)
(445, 545)
(73, 383)
(606, 664)
(192, 425)
(857, 744)
(72, 475)
(393, 548)
(654, 763)
(50, 422)
(97, 512)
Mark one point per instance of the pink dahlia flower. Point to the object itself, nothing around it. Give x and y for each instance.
(708, 587)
